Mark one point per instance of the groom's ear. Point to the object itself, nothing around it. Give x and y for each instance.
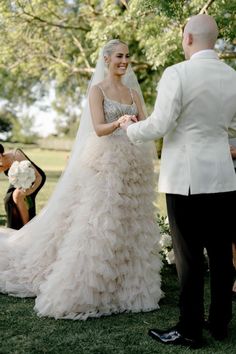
(189, 38)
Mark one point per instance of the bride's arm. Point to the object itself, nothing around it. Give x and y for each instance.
(97, 113)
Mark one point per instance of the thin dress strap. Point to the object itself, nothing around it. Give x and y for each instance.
(14, 153)
(102, 91)
(130, 90)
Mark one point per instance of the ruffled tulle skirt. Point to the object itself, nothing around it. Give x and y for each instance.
(99, 255)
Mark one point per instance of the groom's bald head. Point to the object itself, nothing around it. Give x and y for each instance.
(200, 33)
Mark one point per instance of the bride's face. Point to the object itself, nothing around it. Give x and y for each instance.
(118, 61)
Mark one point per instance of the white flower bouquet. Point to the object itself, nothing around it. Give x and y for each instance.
(21, 174)
(166, 248)
(166, 241)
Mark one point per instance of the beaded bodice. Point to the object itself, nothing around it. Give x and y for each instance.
(114, 110)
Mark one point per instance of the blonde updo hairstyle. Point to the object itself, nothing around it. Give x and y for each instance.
(109, 48)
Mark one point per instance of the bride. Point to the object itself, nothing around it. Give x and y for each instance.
(92, 250)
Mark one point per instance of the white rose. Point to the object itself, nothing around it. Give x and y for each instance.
(166, 220)
(25, 164)
(170, 257)
(13, 169)
(165, 241)
(21, 174)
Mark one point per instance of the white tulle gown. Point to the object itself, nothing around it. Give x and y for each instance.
(98, 254)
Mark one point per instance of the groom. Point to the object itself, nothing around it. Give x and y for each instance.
(195, 111)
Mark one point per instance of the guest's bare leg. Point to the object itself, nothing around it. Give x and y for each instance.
(19, 200)
(234, 255)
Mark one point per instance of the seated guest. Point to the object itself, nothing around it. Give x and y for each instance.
(19, 203)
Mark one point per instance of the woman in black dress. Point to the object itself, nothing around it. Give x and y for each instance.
(20, 204)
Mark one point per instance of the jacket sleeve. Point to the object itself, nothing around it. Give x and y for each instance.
(167, 109)
(232, 128)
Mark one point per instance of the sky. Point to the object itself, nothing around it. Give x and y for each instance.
(44, 121)
(45, 115)
(42, 112)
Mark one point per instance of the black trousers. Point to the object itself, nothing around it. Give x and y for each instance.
(197, 222)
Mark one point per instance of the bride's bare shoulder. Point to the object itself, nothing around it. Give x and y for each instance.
(100, 84)
(95, 93)
(97, 88)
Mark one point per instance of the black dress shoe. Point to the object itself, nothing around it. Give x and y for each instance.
(172, 336)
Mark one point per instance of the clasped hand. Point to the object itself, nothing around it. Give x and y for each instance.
(233, 151)
(127, 120)
(21, 192)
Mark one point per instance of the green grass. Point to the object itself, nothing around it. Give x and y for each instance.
(22, 332)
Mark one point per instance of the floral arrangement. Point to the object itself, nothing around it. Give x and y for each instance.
(167, 251)
(166, 246)
(21, 174)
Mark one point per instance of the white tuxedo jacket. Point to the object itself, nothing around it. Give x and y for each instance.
(195, 112)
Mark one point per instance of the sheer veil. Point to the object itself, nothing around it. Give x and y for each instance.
(38, 240)
(86, 128)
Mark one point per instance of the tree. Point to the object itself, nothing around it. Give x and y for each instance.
(46, 41)
(23, 131)
(6, 122)
(15, 129)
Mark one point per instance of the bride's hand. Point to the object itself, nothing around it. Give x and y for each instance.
(127, 120)
(122, 119)
(134, 119)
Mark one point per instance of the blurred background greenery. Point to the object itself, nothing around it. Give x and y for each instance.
(49, 50)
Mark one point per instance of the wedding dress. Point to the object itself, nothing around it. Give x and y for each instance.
(93, 250)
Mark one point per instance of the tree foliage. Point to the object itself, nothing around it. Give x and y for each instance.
(6, 121)
(45, 41)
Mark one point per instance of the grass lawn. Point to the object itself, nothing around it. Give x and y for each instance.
(21, 331)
